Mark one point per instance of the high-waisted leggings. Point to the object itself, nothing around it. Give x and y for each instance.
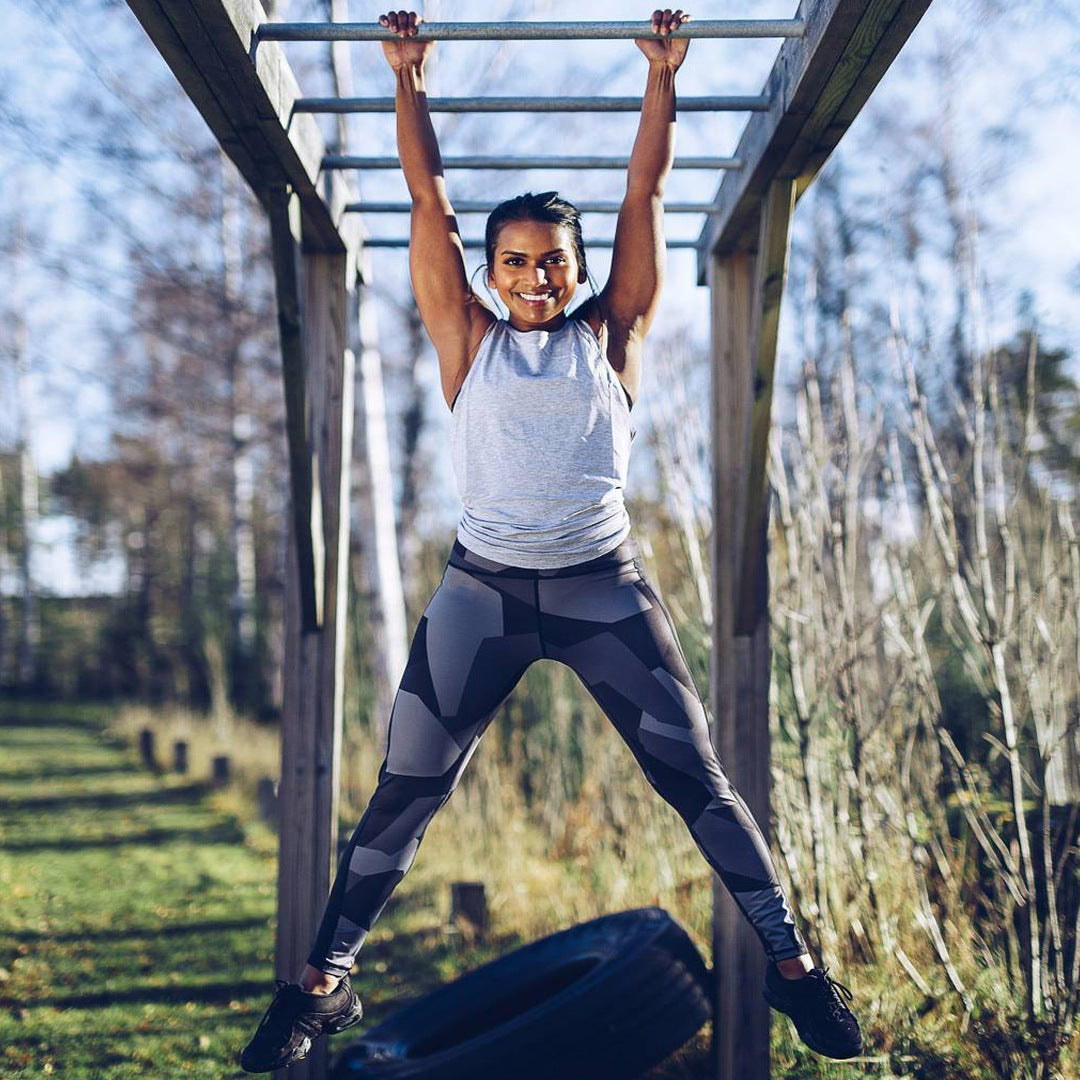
(484, 625)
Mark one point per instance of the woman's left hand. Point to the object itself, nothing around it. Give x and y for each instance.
(665, 49)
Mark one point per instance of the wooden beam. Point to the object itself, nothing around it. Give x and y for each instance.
(739, 672)
(746, 290)
(753, 507)
(306, 505)
(817, 87)
(311, 724)
(246, 97)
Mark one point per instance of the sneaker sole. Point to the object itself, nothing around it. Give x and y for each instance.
(302, 1050)
(835, 1052)
(349, 1020)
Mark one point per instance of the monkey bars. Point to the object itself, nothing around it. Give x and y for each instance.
(229, 60)
(719, 103)
(469, 206)
(503, 163)
(476, 242)
(530, 31)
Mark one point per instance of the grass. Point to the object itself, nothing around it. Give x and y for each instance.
(136, 934)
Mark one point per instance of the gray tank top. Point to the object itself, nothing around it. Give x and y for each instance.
(540, 436)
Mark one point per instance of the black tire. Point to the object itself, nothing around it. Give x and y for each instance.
(604, 1000)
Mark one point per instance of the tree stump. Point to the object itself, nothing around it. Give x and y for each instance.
(222, 771)
(468, 906)
(267, 797)
(146, 749)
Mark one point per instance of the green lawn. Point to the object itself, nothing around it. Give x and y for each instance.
(136, 930)
(136, 934)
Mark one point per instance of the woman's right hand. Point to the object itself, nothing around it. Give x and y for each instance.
(402, 52)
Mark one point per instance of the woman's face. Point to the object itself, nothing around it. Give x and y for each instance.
(535, 273)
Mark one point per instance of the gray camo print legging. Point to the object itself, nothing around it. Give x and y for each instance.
(484, 625)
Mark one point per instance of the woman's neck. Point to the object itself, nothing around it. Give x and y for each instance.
(556, 323)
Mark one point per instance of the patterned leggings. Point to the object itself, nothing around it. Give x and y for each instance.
(484, 625)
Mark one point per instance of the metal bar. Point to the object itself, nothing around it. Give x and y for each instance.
(350, 161)
(723, 103)
(469, 207)
(530, 31)
(477, 242)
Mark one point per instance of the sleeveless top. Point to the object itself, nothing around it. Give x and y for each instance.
(540, 434)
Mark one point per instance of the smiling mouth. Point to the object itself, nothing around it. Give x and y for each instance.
(536, 299)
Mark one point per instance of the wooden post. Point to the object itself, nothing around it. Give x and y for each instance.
(314, 646)
(267, 797)
(468, 904)
(746, 288)
(146, 749)
(221, 770)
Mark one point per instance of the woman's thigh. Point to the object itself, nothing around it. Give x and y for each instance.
(613, 630)
(465, 659)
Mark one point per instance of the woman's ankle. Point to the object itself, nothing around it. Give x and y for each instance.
(795, 967)
(314, 981)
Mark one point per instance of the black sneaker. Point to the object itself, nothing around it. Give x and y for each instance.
(822, 1020)
(294, 1019)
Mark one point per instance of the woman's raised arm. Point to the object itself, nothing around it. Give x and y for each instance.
(452, 314)
(632, 294)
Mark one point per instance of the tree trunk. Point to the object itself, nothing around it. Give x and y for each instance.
(30, 615)
(373, 497)
(242, 485)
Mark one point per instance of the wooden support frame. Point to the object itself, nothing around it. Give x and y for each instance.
(314, 656)
(307, 521)
(248, 96)
(746, 289)
(817, 87)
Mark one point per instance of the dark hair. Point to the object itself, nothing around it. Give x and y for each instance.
(546, 207)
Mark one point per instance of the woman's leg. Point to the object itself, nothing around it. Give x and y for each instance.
(612, 628)
(466, 656)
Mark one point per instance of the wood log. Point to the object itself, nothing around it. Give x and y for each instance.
(468, 904)
(146, 749)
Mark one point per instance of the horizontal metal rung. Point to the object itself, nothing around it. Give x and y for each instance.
(467, 207)
(531, 31)
(350, 161)
(726, 103)
(403, 242)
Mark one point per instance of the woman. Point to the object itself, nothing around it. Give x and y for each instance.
(543, 564)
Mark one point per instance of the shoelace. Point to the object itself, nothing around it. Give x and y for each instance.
(836, 1007)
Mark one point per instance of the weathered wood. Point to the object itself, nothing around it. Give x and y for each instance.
(740, 662)
(180, 756)
(283, 212)
(817, 87)
(769, 278)
(248, 105)
(311, 723)
(146, 749)
(468, 904)
(267, 798)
